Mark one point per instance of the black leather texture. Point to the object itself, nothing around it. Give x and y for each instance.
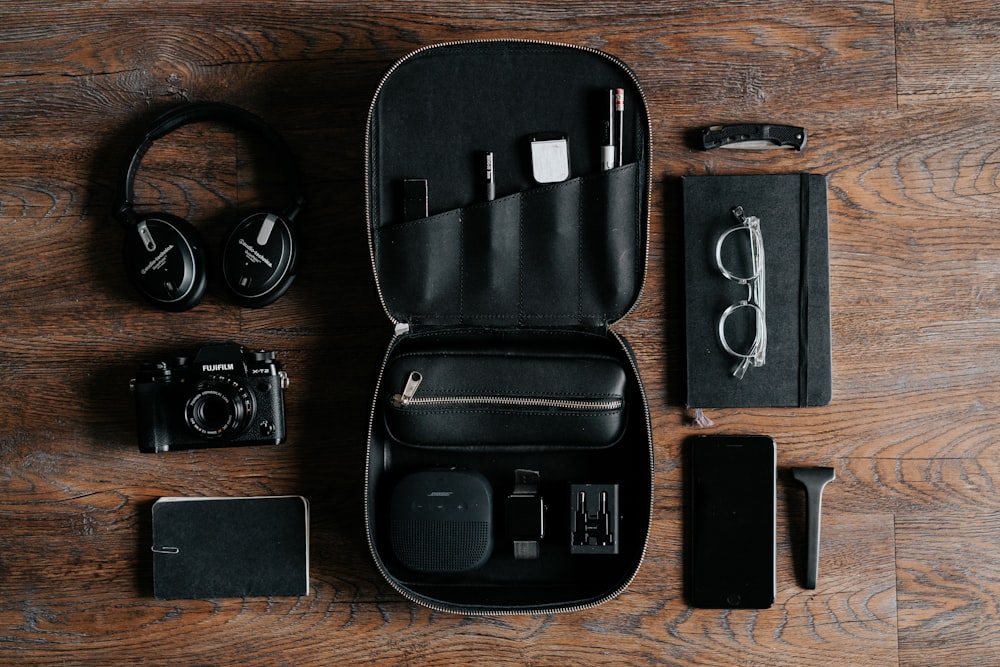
(545, 256)
(507, 399)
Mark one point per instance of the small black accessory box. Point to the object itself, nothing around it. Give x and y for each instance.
(505, 365)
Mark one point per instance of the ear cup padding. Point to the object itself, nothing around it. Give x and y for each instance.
(259, 259)
(165, 260)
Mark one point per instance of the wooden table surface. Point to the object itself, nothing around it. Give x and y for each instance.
(902, 104)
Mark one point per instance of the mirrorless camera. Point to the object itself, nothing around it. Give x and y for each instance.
(222, 396)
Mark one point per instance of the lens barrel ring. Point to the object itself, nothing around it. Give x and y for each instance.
(220, 408)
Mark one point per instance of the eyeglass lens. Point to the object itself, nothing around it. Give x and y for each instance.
(737, 255)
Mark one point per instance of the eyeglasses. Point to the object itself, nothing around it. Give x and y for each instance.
(739, 244)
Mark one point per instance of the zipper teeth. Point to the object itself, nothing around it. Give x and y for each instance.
(430, 604)
(515, 401)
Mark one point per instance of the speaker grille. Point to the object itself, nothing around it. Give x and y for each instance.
(441, 546)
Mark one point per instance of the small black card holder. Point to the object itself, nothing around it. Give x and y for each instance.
(230, 547)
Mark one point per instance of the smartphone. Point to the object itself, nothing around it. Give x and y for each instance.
(732, 521)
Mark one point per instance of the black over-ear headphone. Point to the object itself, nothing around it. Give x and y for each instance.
(165, 256)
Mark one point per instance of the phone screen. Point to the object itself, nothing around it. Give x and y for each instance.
(732, 517)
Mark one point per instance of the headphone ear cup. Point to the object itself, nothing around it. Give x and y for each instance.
(165, 261)
(260, 258)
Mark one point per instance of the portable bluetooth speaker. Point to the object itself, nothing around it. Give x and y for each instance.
(442, 521)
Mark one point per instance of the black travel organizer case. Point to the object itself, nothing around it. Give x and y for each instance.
(505, 376)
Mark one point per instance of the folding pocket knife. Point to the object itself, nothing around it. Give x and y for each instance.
(751, 135)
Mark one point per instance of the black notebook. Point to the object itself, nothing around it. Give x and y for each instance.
(792, 211)
(230, 547)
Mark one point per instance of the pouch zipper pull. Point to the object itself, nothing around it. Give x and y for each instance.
(412, 384)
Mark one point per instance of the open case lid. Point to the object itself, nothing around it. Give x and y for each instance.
(567, 253)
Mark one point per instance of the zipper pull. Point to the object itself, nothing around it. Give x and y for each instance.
(412, 384)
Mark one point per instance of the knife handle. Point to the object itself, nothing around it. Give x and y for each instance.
(779, 135)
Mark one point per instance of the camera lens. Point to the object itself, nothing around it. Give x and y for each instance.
(211, 413)
(219, 408)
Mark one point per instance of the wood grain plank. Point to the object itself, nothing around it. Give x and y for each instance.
(949, 587)
(243, 31)
(965, 71)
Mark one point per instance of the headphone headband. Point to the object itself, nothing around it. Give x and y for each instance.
(177, 117)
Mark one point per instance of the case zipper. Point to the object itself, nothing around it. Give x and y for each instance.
(408, 398)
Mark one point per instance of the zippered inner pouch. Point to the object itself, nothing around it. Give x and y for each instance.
(478, 399)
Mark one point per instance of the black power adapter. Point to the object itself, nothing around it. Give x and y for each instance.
(594, 518)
